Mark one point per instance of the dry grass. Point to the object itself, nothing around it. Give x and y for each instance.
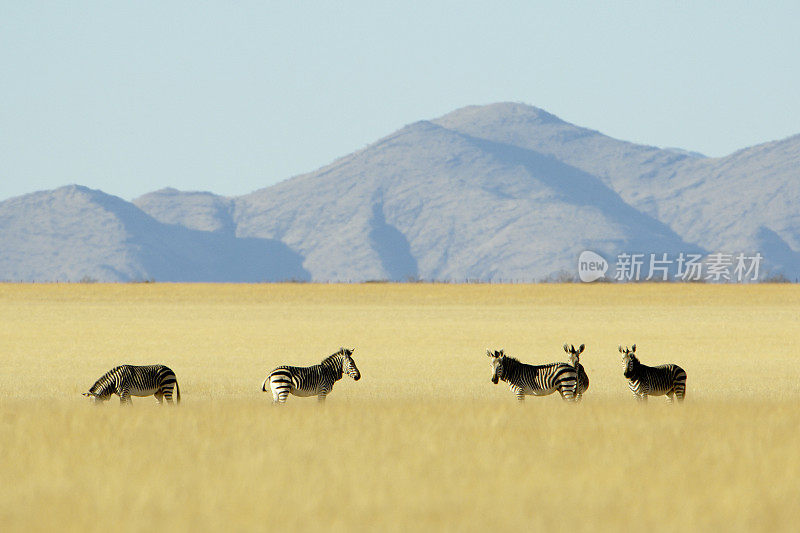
(400, 449)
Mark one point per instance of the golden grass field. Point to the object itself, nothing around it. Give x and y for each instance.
(423, 441)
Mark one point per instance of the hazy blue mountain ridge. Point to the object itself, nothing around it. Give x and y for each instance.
(491, 193)
(74, 233)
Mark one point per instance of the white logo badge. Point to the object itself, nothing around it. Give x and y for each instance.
(591, 266)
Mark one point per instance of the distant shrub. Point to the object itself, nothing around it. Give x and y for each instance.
(775, 278)
(562, 276)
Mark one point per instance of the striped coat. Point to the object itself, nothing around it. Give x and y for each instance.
(130, 380)
(664, 380)
(534, 380)
(317, 380)
(575, 361)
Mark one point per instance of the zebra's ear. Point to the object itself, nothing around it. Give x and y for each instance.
(620, 350)
(580, 350)
(633, 348)
(489, 353)
(566, 348)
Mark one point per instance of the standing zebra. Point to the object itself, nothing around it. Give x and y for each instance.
(129, 380)
(647, 381)
(575, 361)
(536, 380)
(311, 380)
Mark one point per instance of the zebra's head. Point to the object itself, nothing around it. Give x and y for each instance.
(348, 365)
(98, 398)
(629, 360)
(498, 371)
(574, 355)
(102, 390)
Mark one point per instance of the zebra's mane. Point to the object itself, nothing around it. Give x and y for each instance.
(513, 360)
(334, 357)
(101, 386)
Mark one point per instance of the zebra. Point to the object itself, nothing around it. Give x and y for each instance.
(130, 380)
(574, 360)
(644, 381)
(311, 380)
(536, 380)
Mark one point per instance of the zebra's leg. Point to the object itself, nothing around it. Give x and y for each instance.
(125, 397)
(281, 386)
(680, 389)
(671, 396)
(520, 392)
(567, 393)
(641, 398)
(159, 396)
(680, 393)
(279, 396)
(324, 390)
(168, 390)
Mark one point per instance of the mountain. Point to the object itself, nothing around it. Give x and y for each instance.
(492, 193)
(202, 211)
(745, 202)
(74, 233)
(457, 207)
(622, 166)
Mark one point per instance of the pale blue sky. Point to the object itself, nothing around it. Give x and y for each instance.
(230, 97)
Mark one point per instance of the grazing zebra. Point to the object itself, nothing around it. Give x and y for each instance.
(647, 381)
(536, 380)
(129, 380)
(311, 380)
(575, 361)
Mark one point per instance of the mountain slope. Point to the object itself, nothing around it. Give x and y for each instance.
(75, 233)
(745, 202)
(465, 208)
(202, 211)
(623, 166)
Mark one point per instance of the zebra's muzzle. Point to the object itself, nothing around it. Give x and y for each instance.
(495, 379)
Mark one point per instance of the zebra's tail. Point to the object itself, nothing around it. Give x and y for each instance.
(177, 392)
